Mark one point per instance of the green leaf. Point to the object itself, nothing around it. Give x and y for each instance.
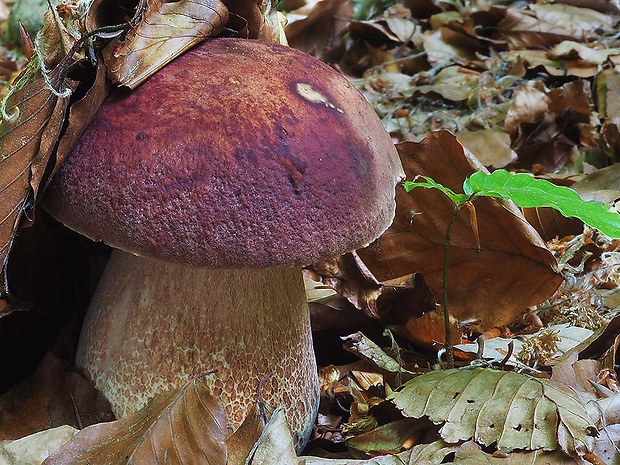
(432, 184)
(526, 191)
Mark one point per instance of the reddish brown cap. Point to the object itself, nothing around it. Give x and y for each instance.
(238, 154)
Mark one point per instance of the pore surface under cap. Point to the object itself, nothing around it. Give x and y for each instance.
(239, 153)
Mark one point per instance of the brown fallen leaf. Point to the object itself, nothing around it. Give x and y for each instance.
(357, 288)
(321, 32)
(444, 44)
(429, 330)
(546, 125)
(581, 375)
(348, 276)
(55, 395)
(604, 6)
(605, 180)
(453, 83)
(478, 143)
(597, 344)
(530, 104)
(241, 442)
(161, 32)
(275, 445)
(395, 25)
(27, 140)
(510, 271)
(38, 127)
(541, 26)
(532, 59)
(185, 426)
(470, 453)
(254, 19)
(608, 94)
(549, 223)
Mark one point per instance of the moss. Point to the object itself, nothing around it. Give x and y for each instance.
(30, 14)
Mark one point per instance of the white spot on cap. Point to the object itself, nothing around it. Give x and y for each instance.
(312, 95)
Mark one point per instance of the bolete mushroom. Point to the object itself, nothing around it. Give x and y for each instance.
(216, 180)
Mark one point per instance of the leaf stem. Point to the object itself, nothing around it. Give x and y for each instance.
(65, 63)
(446, 313)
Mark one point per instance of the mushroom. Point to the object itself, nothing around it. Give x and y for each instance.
(215, 181)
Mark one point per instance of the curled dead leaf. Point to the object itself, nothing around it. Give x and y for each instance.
(33, 118)
(320, 33)
(162, 32)
(39, 125)
(511, 270)
(186, 426)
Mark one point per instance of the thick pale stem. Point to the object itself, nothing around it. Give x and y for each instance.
(152, 325)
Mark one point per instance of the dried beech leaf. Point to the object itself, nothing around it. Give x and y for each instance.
(80, 114)
(50, 398)
(273, 30)
(358, 289)
(165, 30)
(469, 453)
(541, 122)
(541, 26)
(429, 330)
(35, 448)
(275, 445)
(514, 411)
(388, 438)
(453, 83)
(350, 278)
(38, 127)
(550, 223)
(366, 349)
(27, 143)
(321, 32)
(55, 40)
(512, 269)
(444, 44)
(34, 145)
(32, 119)
(242, 441)
(608, 94)
(185, 426)
(478, 143)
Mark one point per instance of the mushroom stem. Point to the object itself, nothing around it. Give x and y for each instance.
(152, 325)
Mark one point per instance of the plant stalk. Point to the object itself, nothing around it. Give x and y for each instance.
(446, 313)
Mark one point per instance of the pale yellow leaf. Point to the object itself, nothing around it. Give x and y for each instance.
(33, 449)
(275, 444)
(360, 345)
(512, 410)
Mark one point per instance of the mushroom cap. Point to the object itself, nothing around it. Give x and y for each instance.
(240, 153)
